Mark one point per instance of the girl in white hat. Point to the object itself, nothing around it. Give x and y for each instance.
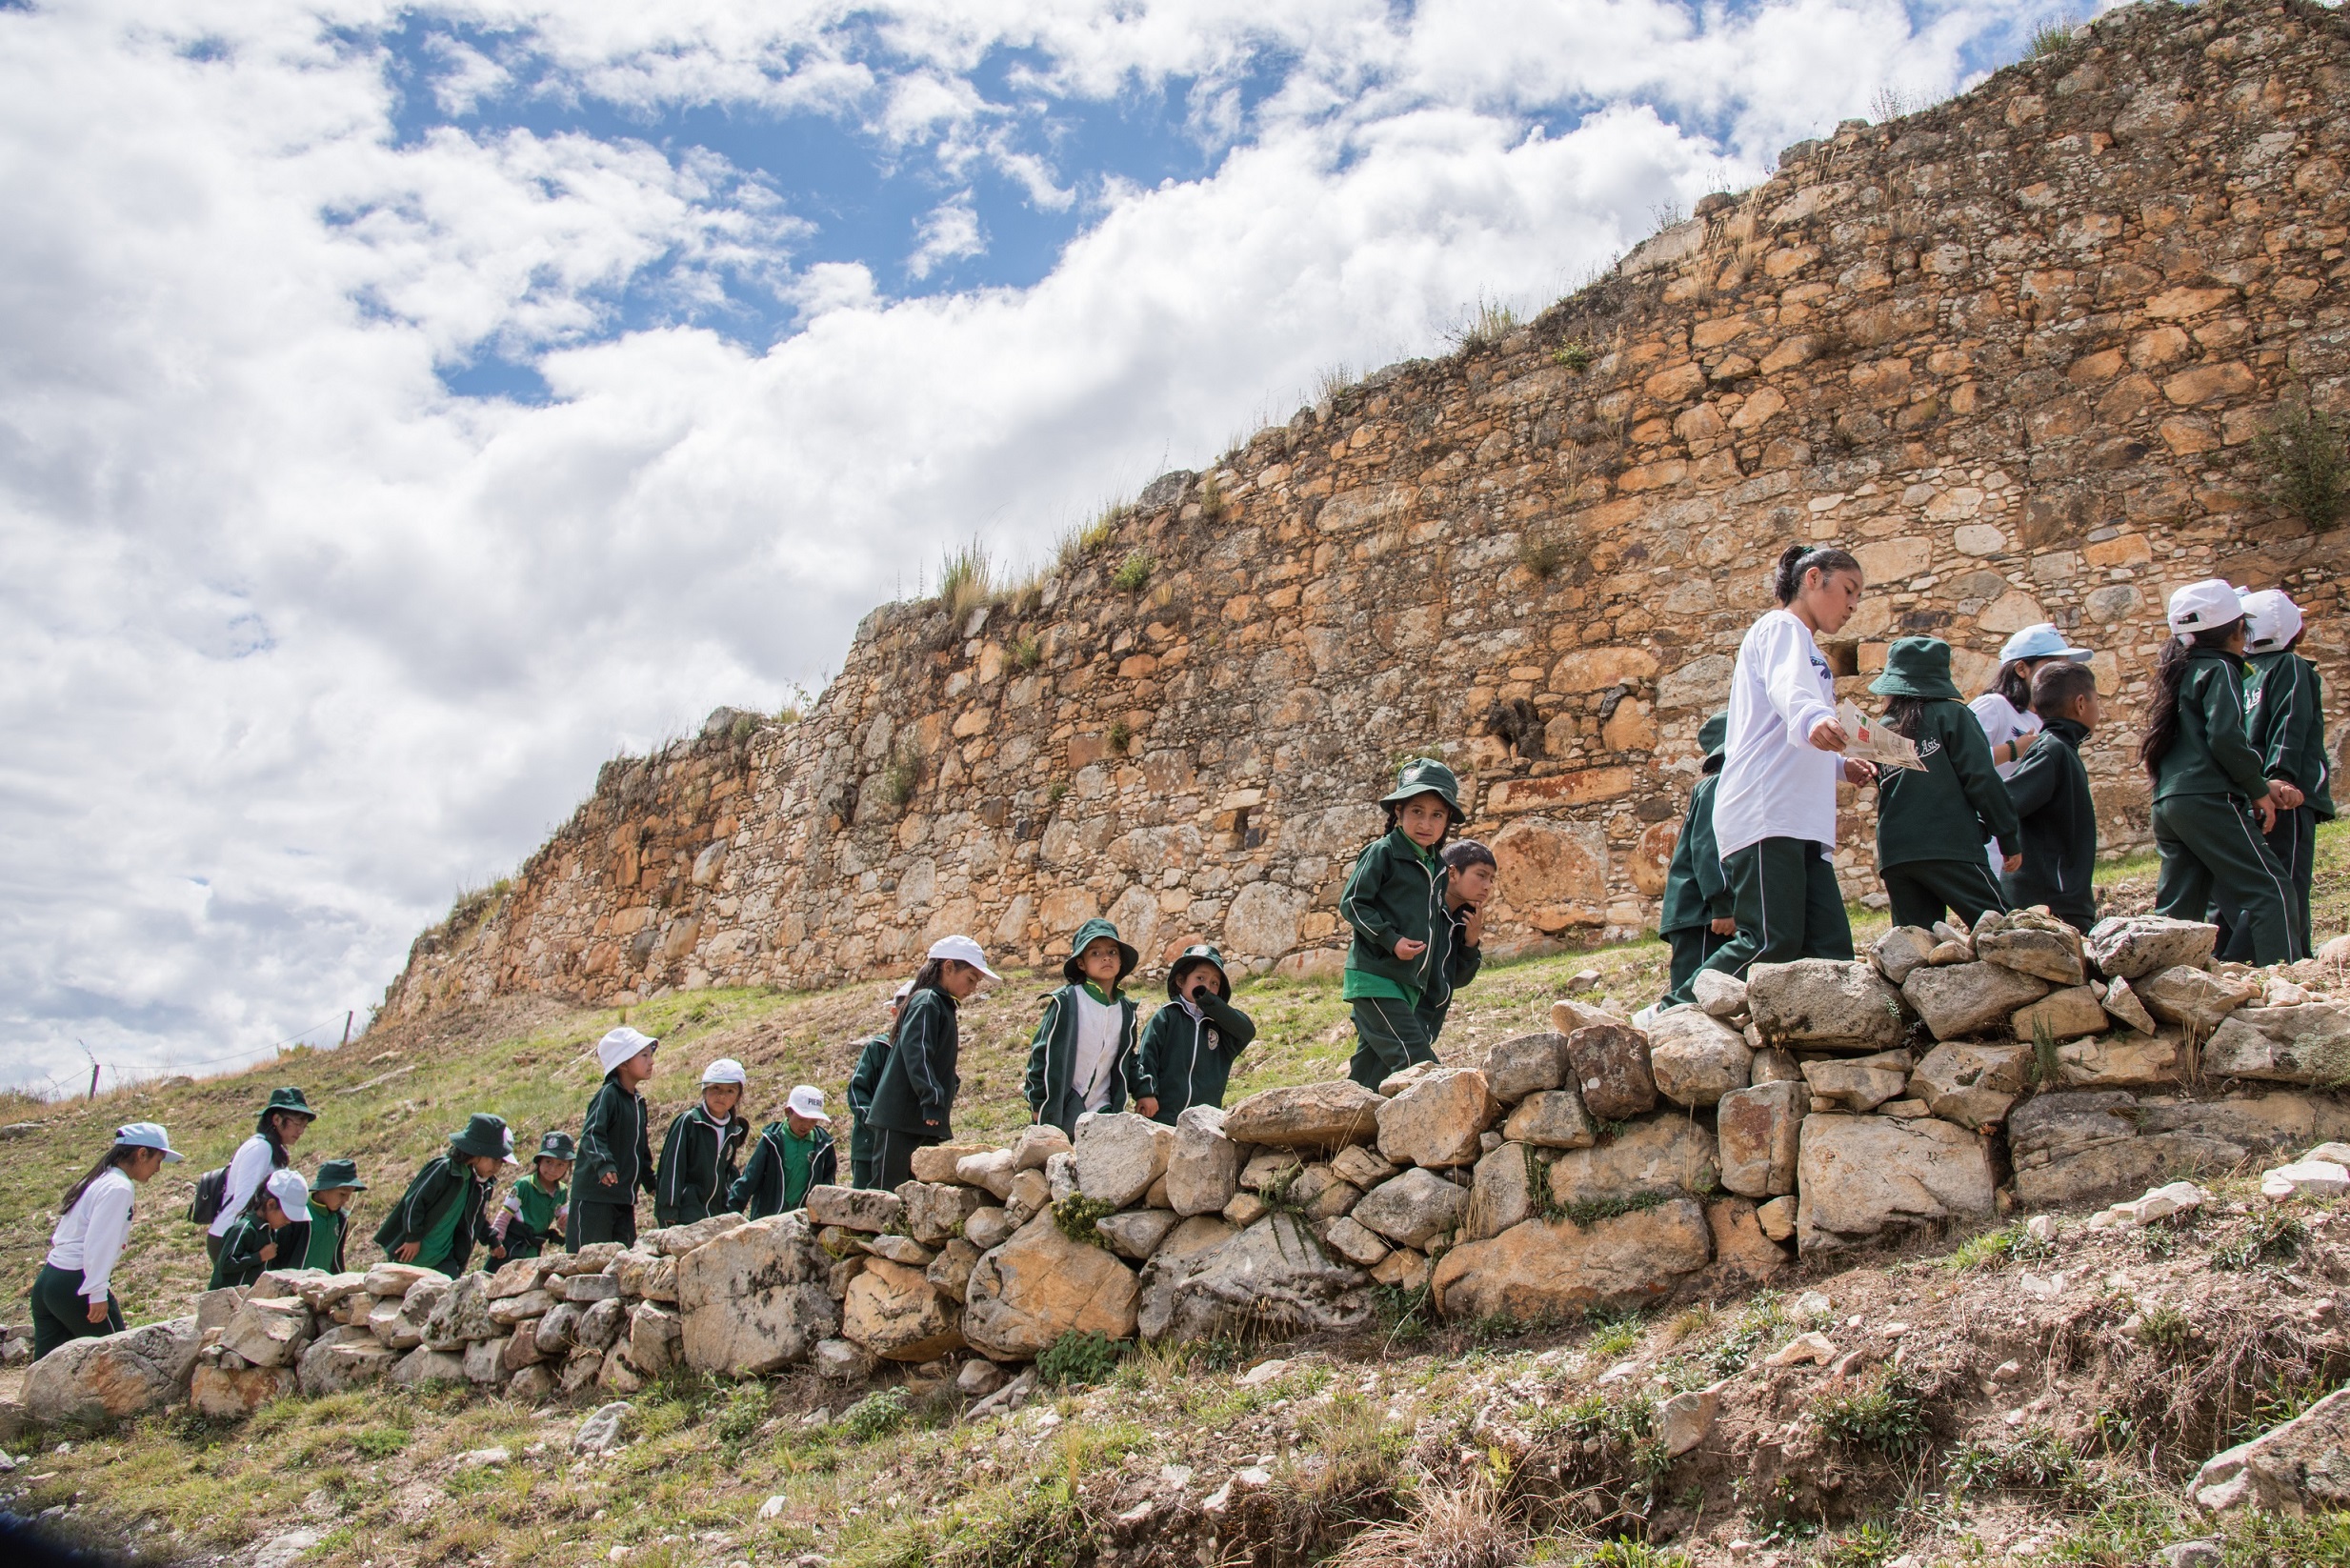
(701, 1156)
(915, 1101)
(273, 1233)
(615, 1156)
(72, 1297)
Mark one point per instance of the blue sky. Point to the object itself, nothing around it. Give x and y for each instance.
(408, 407)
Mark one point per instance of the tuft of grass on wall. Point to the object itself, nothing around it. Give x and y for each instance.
(2304, 462)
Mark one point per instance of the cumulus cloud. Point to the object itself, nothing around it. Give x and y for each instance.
(298, 641)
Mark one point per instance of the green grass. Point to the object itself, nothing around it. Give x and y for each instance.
(1883, 1416)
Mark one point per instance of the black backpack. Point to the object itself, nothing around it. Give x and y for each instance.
(210, 1188)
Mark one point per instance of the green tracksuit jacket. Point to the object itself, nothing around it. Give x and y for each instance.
(613, 1138)
(1184, 1061)
(699, 1161)
(329, 1229)
(1052, 1054)
(915, 1092)
(2212, 753)
(765, 1186)
(862, 1082)
(2057, 835)
(1947, 812)
(240, 1261)
(1697, 892)
(1394, 894)
(1457, 965)
(424, 1210)
(2285, 722)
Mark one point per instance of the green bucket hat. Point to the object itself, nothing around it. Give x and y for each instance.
(1201, 953)
(338, 1174)
(484, 1135)
(1918, 667)
(556, 1146)
(1426, 775)
(1086, 934)
(285, 1099)
(1715, 734)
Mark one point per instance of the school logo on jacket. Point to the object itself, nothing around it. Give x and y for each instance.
(1927, 748)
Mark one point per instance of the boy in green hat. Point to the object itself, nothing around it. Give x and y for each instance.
(1187, 1051)
(1077, 1062)
(1394, 900)
(699, 1156)
(1931, 826)
(1696, 915)
(338, 1183)
(872, 1057)
(273, 1233)
(790, 1156)
(279, 1127)
(445, 1208)
(531, 1215)
(615, 1152)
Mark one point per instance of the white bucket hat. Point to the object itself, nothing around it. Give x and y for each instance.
(621, 1045)
(291, 1192)
(966, 950)
(148, 1134)
(2202, 606)
(808, 1100)
(2271, 621)
(725, 1070)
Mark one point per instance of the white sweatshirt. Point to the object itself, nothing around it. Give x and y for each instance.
(2001, 723)
(248, 1169)
(1097, 1055)
(1776, 783)
(91, 1236)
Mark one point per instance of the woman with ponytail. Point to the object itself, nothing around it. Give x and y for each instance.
(71, 1295)
(1775, 809)
(914, 1102)
(2211, 798)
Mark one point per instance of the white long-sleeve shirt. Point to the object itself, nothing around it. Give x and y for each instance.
(2001, 723)
(1776, 783)
(248, 1169)
(1095, 1060)
(91, 1236)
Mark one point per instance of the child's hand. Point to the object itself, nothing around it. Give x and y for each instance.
(1473, 927)
(2024, 742)
(1148, 1105)
(1407, 948)
(1828, 736)
(97, 1312)
(2013, 862)
(2267, 806)
(269, 1250)
(2285, 796)
(1727, 926)
(405, 1252)
(609, 1178)
(1859, 772)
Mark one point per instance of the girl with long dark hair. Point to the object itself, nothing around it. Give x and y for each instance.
(914, 1102)
(72, 1295)
(279, 1127)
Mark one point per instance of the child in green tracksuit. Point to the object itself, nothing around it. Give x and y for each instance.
(1188, 1049)
(789, 1157)
(699, 1157)
(2213, 798)
(1077, 1061)
(273, 1233)
(2285, 722)
(1394, 901)
(1695, 917)
(446, 1208)
(615, 1155)
(1931, 826)
(1468, 873)
(863, 1080)
(2050, 791)
(531, 1218)
(338, 1183)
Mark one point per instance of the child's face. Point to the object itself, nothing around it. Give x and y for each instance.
(485, 1166)
(272, 1215)
(1099, 961)
(718, 1099)
(333, 1198)
(1424, 819)
(1195, 977)
(801, 1126)
(1832, 596)
(1471, 884)
(291, 1128)
(958, 978)
(637, 1068)
(2088, 711)
(554, 1173)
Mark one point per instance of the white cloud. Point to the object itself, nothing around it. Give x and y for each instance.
(948, 231)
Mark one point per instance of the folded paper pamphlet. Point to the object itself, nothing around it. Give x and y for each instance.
(1869, 740)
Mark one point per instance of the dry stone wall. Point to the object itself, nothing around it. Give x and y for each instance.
(2014, 351)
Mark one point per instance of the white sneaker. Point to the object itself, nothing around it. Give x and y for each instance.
(1645, 1017)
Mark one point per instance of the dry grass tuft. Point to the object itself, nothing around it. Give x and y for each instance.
(1464, 1526)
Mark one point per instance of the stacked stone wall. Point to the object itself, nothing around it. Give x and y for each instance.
(2014, 351)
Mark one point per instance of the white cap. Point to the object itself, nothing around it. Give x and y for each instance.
(808, 1100)
(621, 1045)
(148, 1134)
(2271, 621)
(292, 1194)
(905, 989)
(966, 950)
(725, 1070)
(2202, 606)
(2041, 641)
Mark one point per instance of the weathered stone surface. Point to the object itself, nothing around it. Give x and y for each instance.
(1201, 1233)
(1361, 1165)
(656, 1338)
(753, 1299)
(1718, 994)
(1036, 1145)
(2066, 1015)
(587, 1289)
(462, 1315)
(950, 1272)
(854, 1208)
(2127, 947)
(1438, 1121)
(1271, 1169)
(1274, 1275)
(485, 1362)
(1654, 1154)
(640, 1273)
(1741, 1251)
(1119, 1155)
(1413, 1209)
(1136, 1234)
(2074, 1145)
(1956, 1000)
(1309, 1116)
(86, 1382)
(2122, 1004)
(842, 1363)
(1549, 1269)
(1861, 1085)
(1554, 1119)
(1503, 1192)
(1607, 1064)
(1031, 1191)
(422, 1365)
(1694, 1057)
(1040, 1285)
(388, 1320)
(2031, 943)
(1972, 1083)
(2123, 1061)
(214, 1308)
(1901, 950)
(603, 1431)
(532, 1384)
(1859, 1177)
(397, 1280)
(938, 1162)
(988, 1228)
(508, 1311)
(2305, 1178)
(1825, 1004)
(1403, 1270)
(1060, 1177)
(268, 1332)
(1759, 1130)
(277, 1284)
(593, 1258)
(348, 1358)
(225, 1396)
(894, 1312)
(1515, 1068)
(519, 1278)
(899, 1249)
(2195, 998)
(2297, 1469)
(522, 1348)
(1354, 1244)
(1684, 1420)
(936, 1210)
(2305, 1044)
(1203, 1169)
(677, 1240)
(599, 1325)
(554, 1335)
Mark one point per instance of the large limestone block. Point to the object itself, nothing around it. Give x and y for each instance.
(268, 1332)
(1825, 1004)
(1901, 950)
(1036, 1145)
(416, 1308)
(1040, 1285)
(1654, 1154)
(936, 1211)
(651, 1278)
(508, 1311)
(599, 1325)
(937, 1161)
(1136, 1234)
(276, 1284)
(214, 1308)
(1721, 995)
(1695, 1058)
(1439, 1121)
(755, 1299)
(226, 1395)
(387, 1320)
(84, 1382)
(2077, 1145)
(854, 1209)
(1307, 1115)
(2295, 1470)
(1119, 1155)
(1413, 1209)
(1958, 1001)
(2031, 943)
(425, 1365)
(1517, 1067)
(2123, 1061)
(2128, 946)
(334, 1364)
(1203, 1170)
(1553, 1118)
(2305, 1044)
(1607, 1064)
(2195, 998)
(462, 1316)
(554, 1335)
(1503, 1192)
(677, 1240)
(2065, 1015)
(1859, 1176)
(1970, 1082)
(1862, 1084)
(1547, 1269)
(397, 1280)
(894, 1312)
(1273, 1277)
(327, 1292)
(1760, 1131)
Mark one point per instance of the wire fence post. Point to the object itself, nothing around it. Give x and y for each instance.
(346, 1017)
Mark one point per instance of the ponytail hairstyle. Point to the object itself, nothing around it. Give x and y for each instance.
(1797, 561)
(925, 978)
(279, 1159)
(2014, 682)
(2170, 672)
(122, 1154)
(1904, 715)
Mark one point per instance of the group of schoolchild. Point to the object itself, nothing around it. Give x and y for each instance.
(1998, 816)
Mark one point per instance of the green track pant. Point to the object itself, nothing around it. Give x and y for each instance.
(2294, 842)
(1923, 891)
(2212, 855)
(592, 1222)
(1691, 945)
(1787, 904)
(60, 1313)
(1389, 1036)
